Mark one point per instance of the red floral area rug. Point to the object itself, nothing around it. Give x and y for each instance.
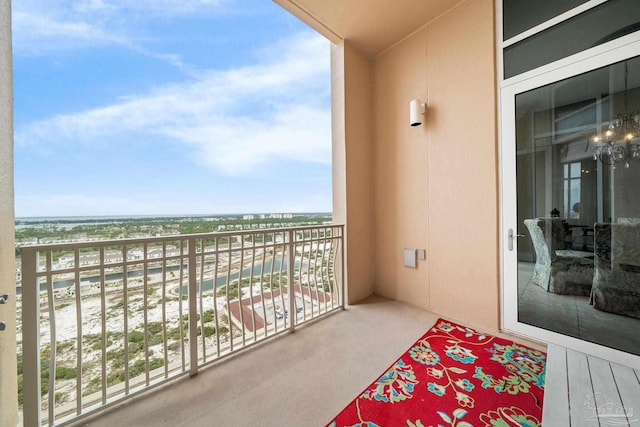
(454, 376)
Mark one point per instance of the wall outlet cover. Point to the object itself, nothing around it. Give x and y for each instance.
(410, 258)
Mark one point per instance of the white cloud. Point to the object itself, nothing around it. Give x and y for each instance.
(37, 33)
(236, 121)
(41, 27)
(168, 7)
(242, 147)
(102, 11)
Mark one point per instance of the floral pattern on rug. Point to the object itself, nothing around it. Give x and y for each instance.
(395, 385)
(454, 376)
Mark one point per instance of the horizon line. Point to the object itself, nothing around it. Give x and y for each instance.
(168, 215)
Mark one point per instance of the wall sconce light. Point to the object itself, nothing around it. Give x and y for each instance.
(416, 111)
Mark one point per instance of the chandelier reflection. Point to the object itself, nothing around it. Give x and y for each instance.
(617, 144)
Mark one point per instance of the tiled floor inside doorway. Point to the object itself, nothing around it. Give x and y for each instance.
(573, 315)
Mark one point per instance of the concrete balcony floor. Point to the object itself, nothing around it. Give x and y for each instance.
(299, 379)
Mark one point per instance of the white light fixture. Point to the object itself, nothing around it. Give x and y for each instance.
(416, 112)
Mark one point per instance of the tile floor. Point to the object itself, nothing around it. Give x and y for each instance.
(299, 379)
(572, 315)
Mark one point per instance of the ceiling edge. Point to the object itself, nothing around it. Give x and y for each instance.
(311, 20)
(417, 30)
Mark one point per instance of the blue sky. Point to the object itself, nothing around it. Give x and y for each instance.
(168, 107)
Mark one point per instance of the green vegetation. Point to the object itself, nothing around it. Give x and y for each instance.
(154, 334)
(154, 328)
(117, 375)
(65, 373)
(174, 334)
(60, 397)
(61, 373)
(208, 331)
(65, 346)
(232, 293)
(95, 340)
(208, 316)
(127, 227)
(117, 305)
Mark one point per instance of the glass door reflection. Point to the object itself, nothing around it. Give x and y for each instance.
(578, 184)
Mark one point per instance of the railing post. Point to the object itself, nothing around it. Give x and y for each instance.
(30, 338)
(342, 271)
(193, 324)
(290, 287)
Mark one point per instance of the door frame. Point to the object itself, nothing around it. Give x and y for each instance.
(594, 58)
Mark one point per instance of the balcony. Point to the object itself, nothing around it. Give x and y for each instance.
(299, 379)
(149, 311)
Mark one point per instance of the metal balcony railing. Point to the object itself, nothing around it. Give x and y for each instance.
(102, 321)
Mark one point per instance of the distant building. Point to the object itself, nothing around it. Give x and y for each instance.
(280, 216)
(139, 235)
(167, 233)
(49, 240)
(29, 241)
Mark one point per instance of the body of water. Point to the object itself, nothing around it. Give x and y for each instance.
(221, 280)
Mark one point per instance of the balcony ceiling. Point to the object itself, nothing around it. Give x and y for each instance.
(370, 26)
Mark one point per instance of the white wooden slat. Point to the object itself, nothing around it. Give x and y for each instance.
(586, 390)
(606, 399)
(580, 388)
(629, 388)
(555, 411)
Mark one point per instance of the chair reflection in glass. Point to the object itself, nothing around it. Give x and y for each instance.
(558, 269)
(616, 281)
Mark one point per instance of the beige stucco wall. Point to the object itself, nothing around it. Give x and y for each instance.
(352, 165)
(8, 385)
(401, 176)
(435, 186)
